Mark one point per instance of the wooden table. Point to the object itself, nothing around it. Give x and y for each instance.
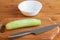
(51, 8)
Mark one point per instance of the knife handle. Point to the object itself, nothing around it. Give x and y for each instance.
(19, 34)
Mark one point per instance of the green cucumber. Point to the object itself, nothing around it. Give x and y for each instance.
(23, 23)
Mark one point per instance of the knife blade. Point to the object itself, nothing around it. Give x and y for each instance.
(37, 31)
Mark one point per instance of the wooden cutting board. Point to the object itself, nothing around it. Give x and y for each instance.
(49, 35)
(10, 12)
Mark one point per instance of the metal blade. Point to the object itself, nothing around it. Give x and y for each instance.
(19, 34)
(44, 29)
(37, 31)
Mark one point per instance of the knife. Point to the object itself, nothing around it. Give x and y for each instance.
(37, 31)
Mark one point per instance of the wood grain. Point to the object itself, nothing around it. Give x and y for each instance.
(51, 8)
(49, 35)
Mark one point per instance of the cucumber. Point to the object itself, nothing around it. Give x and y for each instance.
(30, 22)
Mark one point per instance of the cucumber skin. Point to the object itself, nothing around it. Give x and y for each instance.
(23, 23)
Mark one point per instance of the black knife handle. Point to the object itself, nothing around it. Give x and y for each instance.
(19, 34)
